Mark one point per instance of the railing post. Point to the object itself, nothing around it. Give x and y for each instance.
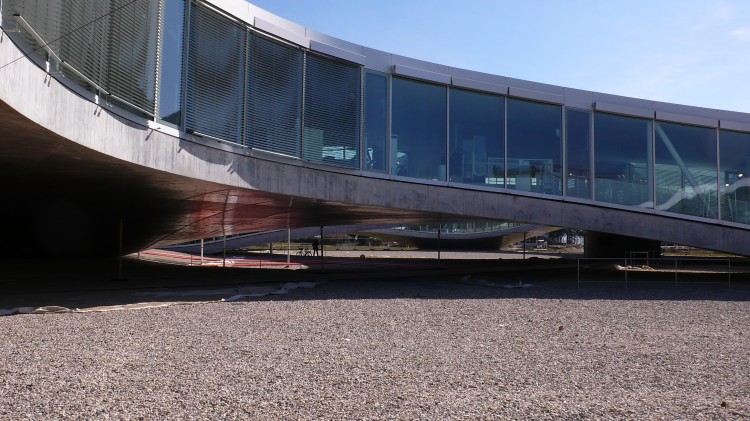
(288, 245)
(119, 254)
(224, 258)
(440, 226)
(626, 272)
(729, 273)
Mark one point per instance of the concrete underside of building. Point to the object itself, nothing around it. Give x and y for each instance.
(82, 179)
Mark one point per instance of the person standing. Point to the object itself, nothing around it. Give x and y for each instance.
(315, 245)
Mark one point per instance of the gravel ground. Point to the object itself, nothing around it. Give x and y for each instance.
(418, 349)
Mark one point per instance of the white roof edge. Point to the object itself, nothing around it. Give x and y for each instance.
(687, 119)
(280, 32)
(624, 109)
(479, 85)
(535, 95)
(337, 52)
(244, 9)
(734, 125)
(412, 72)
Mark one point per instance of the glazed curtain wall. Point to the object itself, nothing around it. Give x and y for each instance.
(255, 91)
(376, 121)
(418, 138)
(216, 76)
(274, 96)
(534, 147)
(332, 109)
(623, 160)
(110, 47)
(170, 76)
(578, 153)
(476, 134)
(685, 170)
(734, 153)
(190, 66)
(312, 107)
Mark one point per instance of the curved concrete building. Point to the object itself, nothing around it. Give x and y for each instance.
(138, 123)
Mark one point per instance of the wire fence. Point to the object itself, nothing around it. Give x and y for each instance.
(642, 268)
(259, 262)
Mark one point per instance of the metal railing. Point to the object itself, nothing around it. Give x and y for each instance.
(640, 267)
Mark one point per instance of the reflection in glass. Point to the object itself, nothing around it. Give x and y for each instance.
(418, 143)
(476, 138)
(170, 79)
(216, 73)
(734, 155)
(685, 169)
(534, 150)
(332, 112)
(578, 147)
(622, 160)
(109, 45)
(376, 121)
(274, 96)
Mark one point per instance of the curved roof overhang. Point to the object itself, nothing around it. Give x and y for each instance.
(67, 158)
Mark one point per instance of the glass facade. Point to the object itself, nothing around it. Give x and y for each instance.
(223, 79)
(170, 76)
(332, 110)
(108, 47)
(622, 160)
(215, 99)
(376, 121)
(534, 147)
(578, 153)
(685, 170)
(477, 133)
(418, 141)
(734, 176)
(274, 96)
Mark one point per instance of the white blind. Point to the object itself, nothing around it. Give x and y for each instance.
(215, 75)
(274, 96)
(111, 43)
(332, 112)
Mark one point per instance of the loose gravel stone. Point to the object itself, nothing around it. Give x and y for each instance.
(417, 349)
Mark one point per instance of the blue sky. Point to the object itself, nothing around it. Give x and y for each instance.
(694, 52)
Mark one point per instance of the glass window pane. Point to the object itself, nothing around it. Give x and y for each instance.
(477, 126)
(686, 175)
(48, 18)
(622, 160)
(418, 143)
(216, 75)
(131, 53)
(734, 152)
(376, 121)
(274, 96)
(534, 150)
(170, 80)
(111, 43)
(578, 145)
(332, 110)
